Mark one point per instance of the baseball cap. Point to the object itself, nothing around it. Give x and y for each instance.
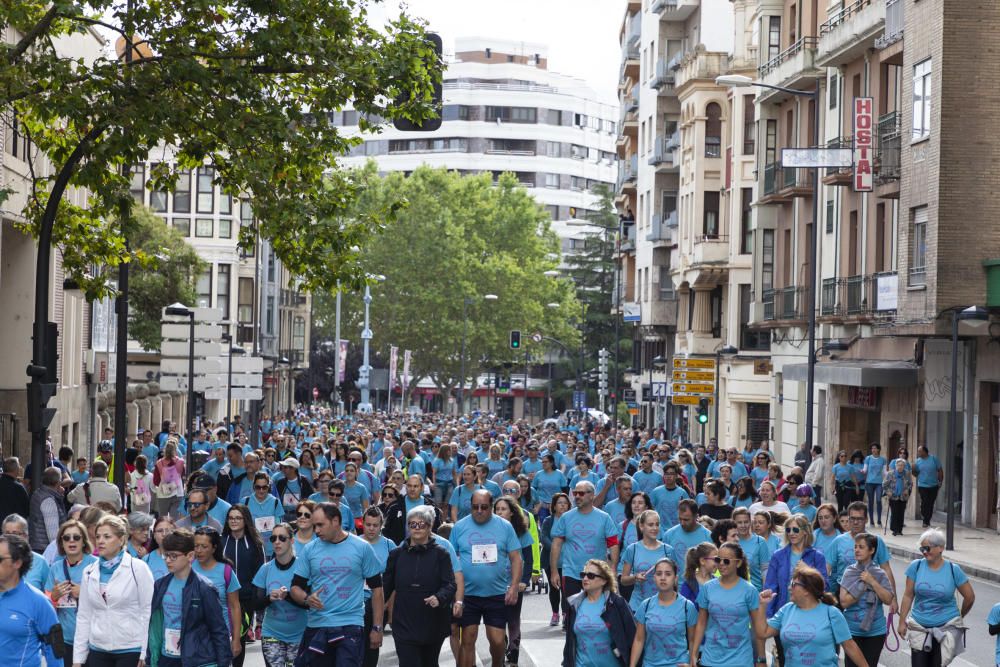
(293, 463)
(203, 482)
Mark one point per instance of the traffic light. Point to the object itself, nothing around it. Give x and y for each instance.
(515, 340)
(433, 123)
(703, 411)
(602, 378)
(39, 414)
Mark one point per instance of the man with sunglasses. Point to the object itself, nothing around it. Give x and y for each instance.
(485, 543)
(583, 533)
(841, 550)
(197, 512)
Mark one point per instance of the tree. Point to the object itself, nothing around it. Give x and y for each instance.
(458, 238)
(242, 85)
(168, 277)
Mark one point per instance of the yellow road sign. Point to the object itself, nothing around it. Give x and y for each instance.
(690, 363)
(693, 388)
(694, 376)
(690, 400)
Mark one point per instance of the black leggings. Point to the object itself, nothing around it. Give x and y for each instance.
(930, 658)
(371, 654)
(102, 659)
(555, 594)
(411, 654)
(871, 648)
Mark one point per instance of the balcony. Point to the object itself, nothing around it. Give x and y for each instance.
(838, 175)
(850, 32)
(894, 23)
(855, 298)
(675, 10)
(628, 239)
(633, 30)
(794, 67)
(628, 172)
(663, 78)
(675, 61)
(702, 65)
(663, 155)
(663, 228)
(661, 310)
(710, 249)
(797, 182)
(887, 170)
(783, 304)
(772, 191)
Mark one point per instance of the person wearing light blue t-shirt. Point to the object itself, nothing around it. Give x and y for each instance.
(841, 550)
(638, 559)
(668, 495)
(864, 589)
(581, 534)
(65, 574)
(929, 476)
(993, 621)
(688, 533)
(284, 622)
(646, 479)
(546, 483)
(461, 496)
(221, 575)
(265, 509)
(874, 472)
(811, 630)
(665, 622)
(931, 584)
(728, 606)
(489, 551)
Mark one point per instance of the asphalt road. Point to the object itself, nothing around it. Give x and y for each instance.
(542, 646)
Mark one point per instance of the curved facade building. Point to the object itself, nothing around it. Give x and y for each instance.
(505, 111)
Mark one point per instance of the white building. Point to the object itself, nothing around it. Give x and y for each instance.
(505, 111)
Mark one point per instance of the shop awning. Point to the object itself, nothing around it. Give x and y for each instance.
(857, 373)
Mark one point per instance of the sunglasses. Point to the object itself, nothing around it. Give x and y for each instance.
(725, 561)
(278, 538)
(261, 488)
(72, 537)
(384, 495)
(510, 492)
(925, 549)
(794, 529)
(482, 506)
(196, 504)
(591, 575)
(417, 525)
(796, 583)
(303, 515)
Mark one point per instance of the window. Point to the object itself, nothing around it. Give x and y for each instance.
(746, 218)
(183, 225)
(711, 221)
(829, 216)
(182, 193)
(552, 148)
(918, 247)
(204, 228)
(577, 152)
(225, 228)
(668, 202)
(512, 114)
(224, 289)
(922, 99)
(17, 143)
(767, 259)
(773, 37)
(350, 117)
(244, 310)
(749, 125)
(553, 117)
(137, 184)
(203, 286)
(158, 198)
(713, 130)
(834, 90)
(749, 338)
(225, 204)
(269, 316)
(246, 220)
(578, 183)
(552, 180)
(206, 192)
(271, 261)
(771, 142)
(299, 333)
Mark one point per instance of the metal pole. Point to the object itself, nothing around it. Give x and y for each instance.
(121, 364)
(336, 355)
(255, 320)
(364, 379)
(715, 429)
(811, 295)
(618, 318)
(461, 381)
(526, 410)
(229, 383)
(548, 390)
(190, 407)
(952, 437)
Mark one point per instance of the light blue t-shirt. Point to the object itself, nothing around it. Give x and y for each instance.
(728, 633)
(809, 511)
(336, 573)
(38, 573)
(461, 498)
(993, 619)
(842, 555)
(927, 471)
(382, 548)
(585, 537)
(758, 557)
(680, 541)
(875, 469)
(642, 559)
(266, 515)
(612, 493)
(217, 577)
(646, 481)
(80, 477)
(546, 484)
(666, 630)
(665, 503)
(855, 615)
(444, 471)
(843, 472)
(417, 467)
(484, 550)
(66, 608)
(824, 543)
(173, 600)
(593, 638)
(810, 637)
(456, 564)
(282, 620)
(156, 564)
(616, 510)
(529, 467)
(934, 592)
(355, 495)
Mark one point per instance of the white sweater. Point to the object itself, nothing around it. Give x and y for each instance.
(118, 619)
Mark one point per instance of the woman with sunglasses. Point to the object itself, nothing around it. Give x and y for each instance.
(929, 615)
(65, 575)
(559, 505)
(600, 628)
(665, 622)
(284, 620)
(727, 606)
(798, 549)
(809, 627)
(304, 533)
(211, 563)
(759, 471)
(155, 559)
(864, 588)
(265, 509)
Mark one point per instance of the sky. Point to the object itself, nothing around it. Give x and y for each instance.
(582, 35)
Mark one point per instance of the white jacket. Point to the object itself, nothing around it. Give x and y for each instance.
(119, 619)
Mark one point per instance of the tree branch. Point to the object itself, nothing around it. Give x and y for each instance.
(29, 38)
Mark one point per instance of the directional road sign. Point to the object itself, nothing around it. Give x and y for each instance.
(183, 332)
(690, 400)
(693, 388)
(201, 366)
(693, 376)
(684, 363)
(181, 349)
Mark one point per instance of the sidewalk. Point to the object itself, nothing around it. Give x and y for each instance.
(977, 551)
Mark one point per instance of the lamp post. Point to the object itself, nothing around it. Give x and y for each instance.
(180, 310)
(739, 81)
(364, 375)
(725, 351)
(973, 313)
(466, 301)
(656, 361)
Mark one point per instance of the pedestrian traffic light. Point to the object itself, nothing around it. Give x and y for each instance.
(703, 411)
(602, 378)
(433, 123)
(40, 416)
(515, 340)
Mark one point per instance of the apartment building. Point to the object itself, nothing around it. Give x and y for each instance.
(897, 254)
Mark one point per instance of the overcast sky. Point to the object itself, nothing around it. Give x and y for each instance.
(582, 35)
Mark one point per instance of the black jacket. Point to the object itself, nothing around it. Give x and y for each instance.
(415, 572)
(13, 497)
(617, 616)
(395, 519)
(247, 558)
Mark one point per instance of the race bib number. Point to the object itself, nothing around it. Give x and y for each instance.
(484, 554)
(66, 602)
(289, 499)
(172, 642)
(264, 524)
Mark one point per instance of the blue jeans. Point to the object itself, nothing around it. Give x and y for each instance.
(442, 491)
(331, 647)
(874, 492)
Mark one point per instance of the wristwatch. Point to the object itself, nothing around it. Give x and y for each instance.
(760, 661)
(376, 628)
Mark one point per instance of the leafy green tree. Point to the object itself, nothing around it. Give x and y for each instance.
(168, 277)
(241, 84)
(458, 238)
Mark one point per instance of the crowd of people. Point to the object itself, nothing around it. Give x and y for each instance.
(652, 551)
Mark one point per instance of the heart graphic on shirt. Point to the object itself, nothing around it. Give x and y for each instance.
(477, 537)
(582, 536)
(935, 597)
(799, 634)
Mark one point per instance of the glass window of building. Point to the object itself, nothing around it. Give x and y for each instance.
(182, 192)
(206, 190)
(204, 228)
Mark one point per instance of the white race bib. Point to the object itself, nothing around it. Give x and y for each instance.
(66, 602)
(264, 524)
(172, 642)
(484, 554)
(290, 499)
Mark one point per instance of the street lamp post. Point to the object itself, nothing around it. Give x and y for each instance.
(739, 81)
(970, 313)
(364, 374)
(180, 310)
(725, 351)
(466, 301)
(658, 360)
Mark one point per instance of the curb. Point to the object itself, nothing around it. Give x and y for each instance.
(970, 569)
